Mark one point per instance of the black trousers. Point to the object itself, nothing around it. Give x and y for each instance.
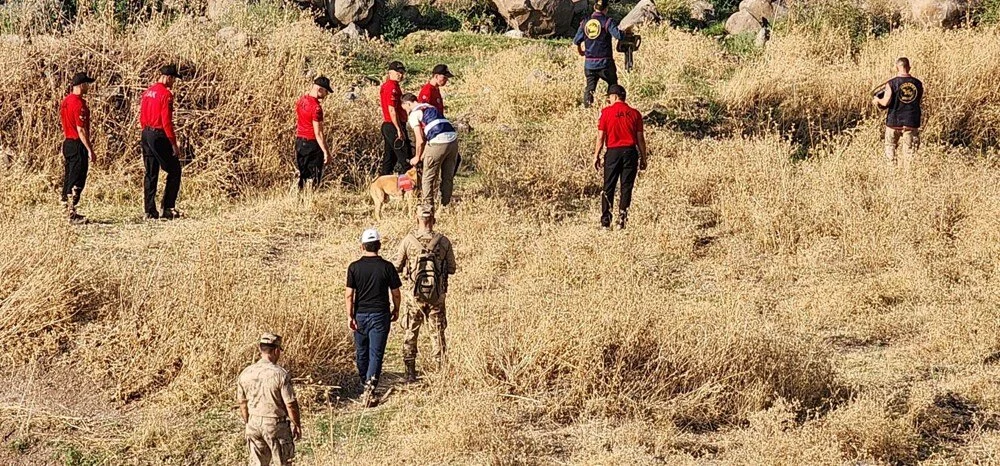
(158, 153)
(608, 74)
(620, 163)
(309, 160)
(77, 162)
(396, 159)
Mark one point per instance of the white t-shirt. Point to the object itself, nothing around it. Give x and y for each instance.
(417, 116)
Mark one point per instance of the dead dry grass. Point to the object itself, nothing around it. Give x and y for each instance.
(773, 302)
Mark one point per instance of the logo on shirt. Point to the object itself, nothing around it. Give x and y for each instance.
(592, 29)
(907, 93)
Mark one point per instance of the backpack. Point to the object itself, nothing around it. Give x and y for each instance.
(429, 272)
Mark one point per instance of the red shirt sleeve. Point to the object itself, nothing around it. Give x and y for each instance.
(425, 95)
(638, 121)
(602, 123)
(167, 116)
(318, 115)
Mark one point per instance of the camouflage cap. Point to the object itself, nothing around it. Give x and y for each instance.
(270, 339)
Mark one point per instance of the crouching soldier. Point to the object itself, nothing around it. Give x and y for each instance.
(428, 259)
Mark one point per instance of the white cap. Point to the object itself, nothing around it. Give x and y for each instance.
(370, 236)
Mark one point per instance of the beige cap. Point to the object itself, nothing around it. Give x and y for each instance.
(270, 339)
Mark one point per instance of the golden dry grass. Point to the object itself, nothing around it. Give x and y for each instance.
(771, 303)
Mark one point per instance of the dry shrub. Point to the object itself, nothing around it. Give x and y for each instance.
(234, 113)
(807, 84)
(40, 293)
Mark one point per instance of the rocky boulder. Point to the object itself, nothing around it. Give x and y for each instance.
(937, 13)
(644, 12)
(749, 18)
(351, 11)
(542, 18)
(701, 10)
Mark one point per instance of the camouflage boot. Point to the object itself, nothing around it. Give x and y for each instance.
(411, 371)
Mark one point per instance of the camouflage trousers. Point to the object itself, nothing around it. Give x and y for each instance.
(434, 315)
(269, 438)
(909, 139)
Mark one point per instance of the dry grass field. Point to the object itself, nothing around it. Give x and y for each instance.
(782, 296)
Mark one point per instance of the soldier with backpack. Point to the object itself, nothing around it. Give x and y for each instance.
(428, 259)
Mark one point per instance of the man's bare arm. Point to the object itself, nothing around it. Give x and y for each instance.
(601, 138)
(85, 139)
(397, 297)
(318, 132)
(293, 413)
(244, 412)
(886, 96)
(641, 143)
(349, 305)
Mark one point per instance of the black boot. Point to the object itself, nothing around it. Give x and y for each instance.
(411, 371)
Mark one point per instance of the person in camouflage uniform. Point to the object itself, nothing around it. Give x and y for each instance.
(267, 403)
(424, 240)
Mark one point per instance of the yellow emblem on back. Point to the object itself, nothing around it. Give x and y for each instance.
(592, 29)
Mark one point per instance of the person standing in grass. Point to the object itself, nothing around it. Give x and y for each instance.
(901, 98)
(428, 260)
(77, 150)
(371, 280)
(620, 130)
(159, 144)
(310, 145)
(437, 148)
(431, 94)
(593, 42)
(397, 145)
(268, 406)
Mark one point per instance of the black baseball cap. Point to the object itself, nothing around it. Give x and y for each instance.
(617, 90)
(397, 66)
(82, 78)
(443, 71)
(170, 70)
(323, 82)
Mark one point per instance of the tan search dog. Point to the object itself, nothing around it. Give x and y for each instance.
(388, 185)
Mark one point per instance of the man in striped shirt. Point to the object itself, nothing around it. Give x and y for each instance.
(437, 147)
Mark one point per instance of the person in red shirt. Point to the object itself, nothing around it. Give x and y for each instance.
(77, 151)
(397, 144)
(620, 130)
(431, 92)
(310, 145)
(159, 144)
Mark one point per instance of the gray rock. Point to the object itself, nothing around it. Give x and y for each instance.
(758, 8)
(742, 22)
(702, 10)
(540, 18)
(514, 33)
(644, 12)
(351, 32)
(353, 11)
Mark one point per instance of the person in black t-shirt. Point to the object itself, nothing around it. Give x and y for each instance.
(901, 97)
(370, 282)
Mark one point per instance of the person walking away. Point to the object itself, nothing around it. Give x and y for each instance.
(902, 99)
(268, 406)
(77, 150)
(311, 153)
(437, 148)
(428, 260)
(397, 145)
(593, 42)
(431, 94)
(159, 144)
(371, 280)
(620, 130)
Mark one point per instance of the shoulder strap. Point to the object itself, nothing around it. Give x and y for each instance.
(432, 244)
